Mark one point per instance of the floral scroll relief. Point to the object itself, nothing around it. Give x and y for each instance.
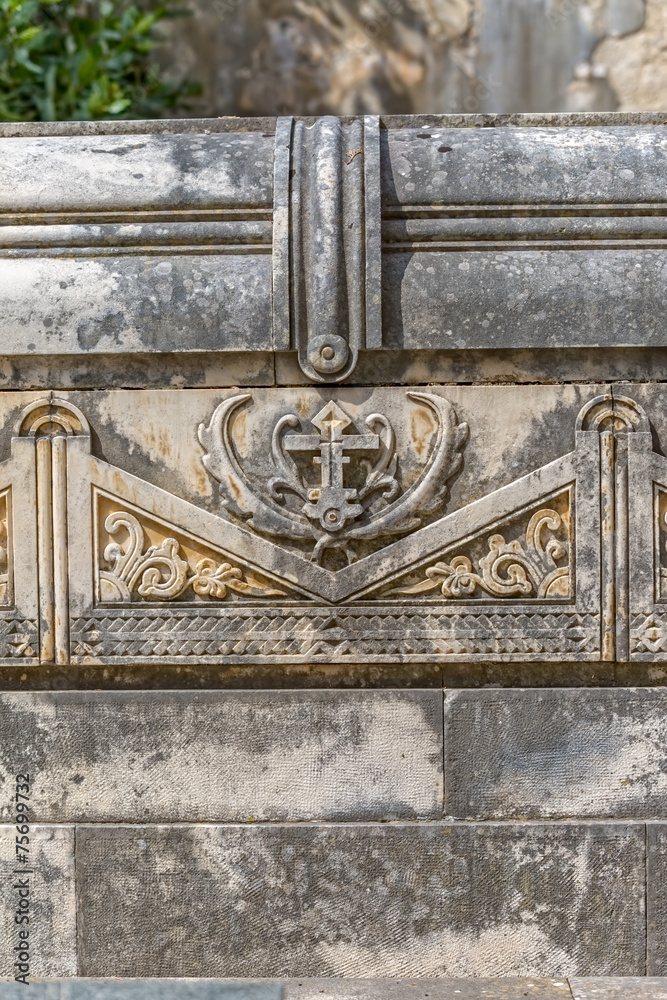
(160, 572)
(509, 569)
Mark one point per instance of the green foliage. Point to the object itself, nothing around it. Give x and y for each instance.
(66, 60)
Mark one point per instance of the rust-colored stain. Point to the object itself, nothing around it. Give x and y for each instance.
(422, 429)
(303, 405)
(240, 432)
(234, 489)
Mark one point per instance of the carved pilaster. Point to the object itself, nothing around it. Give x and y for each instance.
(614, 419)
(49, 424)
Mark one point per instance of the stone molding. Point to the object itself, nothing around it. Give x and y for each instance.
(310, 245)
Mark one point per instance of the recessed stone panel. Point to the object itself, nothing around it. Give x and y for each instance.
(361, 900)
(357, 525)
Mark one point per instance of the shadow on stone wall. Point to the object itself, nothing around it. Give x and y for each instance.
(314, 57)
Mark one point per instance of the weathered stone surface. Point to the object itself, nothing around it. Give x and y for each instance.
(364, 900)
(223, 526)
(214, 126)
(656, 899)
(508, 298)
(52, 926)
(418, 989)
(143, 989)
(125, 304)
(240, 756)
(537, 169)
(148, 173)
(646, 988)
(150, 546)
(153, 243)
(153, 435)
(179, 242)
(548, 754)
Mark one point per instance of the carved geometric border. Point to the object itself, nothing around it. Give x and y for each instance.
(19, 638)
(315, 634)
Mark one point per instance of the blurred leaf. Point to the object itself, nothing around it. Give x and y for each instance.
(74, 60)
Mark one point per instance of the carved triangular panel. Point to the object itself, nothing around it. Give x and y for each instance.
(526, 556)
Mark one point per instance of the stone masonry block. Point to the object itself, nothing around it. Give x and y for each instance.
(656, 899)
(361, 900)
(239, 756)
(556, 753)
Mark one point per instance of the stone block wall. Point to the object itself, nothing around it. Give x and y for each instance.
(333, 564)
(259, 57)
(317, 833)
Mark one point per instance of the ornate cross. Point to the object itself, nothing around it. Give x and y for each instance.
(331, 503)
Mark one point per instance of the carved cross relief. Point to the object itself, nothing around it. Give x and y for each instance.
(333, 543)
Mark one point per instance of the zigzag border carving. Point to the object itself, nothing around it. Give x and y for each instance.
(312, 634)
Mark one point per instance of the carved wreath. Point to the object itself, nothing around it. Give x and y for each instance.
(333, 515)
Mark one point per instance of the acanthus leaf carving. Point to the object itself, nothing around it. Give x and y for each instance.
(509, 569)
(213, 579)
(334, 515)
(160, 572)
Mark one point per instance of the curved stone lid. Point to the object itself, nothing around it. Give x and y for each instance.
(325, 241)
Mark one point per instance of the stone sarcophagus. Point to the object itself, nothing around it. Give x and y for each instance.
(333, 405)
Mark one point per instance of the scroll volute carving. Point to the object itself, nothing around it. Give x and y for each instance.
(139, 561)
(534, 563)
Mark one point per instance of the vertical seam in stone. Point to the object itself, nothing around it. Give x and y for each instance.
(60, 550)
(43, 449)
(280, 236)
(372, 234)
(608, 539)
(443, 812)
(77, 961)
